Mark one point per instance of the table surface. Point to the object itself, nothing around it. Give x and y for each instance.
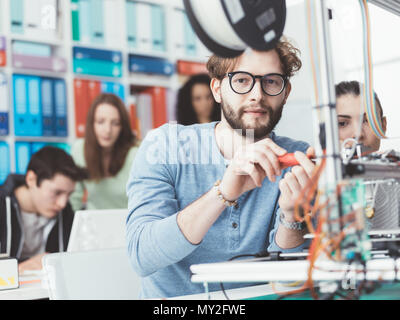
(31, 287)
(380, 279)
(381, 291)
(251, 292)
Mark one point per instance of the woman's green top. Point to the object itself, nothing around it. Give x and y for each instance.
(107, 193)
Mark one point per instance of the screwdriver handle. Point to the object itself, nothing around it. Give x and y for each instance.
(289, 160)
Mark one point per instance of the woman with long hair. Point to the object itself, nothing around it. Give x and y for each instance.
(107, 152)
(195, 103)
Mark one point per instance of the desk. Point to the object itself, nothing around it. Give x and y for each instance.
(384, 291)
(246, 293)
(32, 287)
(384, 273)
(262, 270)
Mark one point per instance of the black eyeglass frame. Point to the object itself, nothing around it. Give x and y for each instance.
(231, 74)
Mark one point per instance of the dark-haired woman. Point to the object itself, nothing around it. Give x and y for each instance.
(195, 103)
(107, 151)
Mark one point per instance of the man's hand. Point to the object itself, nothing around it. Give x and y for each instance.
(250, 166)
(34, 263)
(294, 181)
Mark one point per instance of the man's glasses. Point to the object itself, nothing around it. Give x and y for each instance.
(242, 82)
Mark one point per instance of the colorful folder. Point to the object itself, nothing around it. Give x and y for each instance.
(75, 20)
(149, 109)
(145, 64)
(190, 38)
(17, 16)
(131, 24)
(83, 53)
(96, 22)
(24, 151)
(115, 88)
(49, 126)
(4, 129)
(3, 57)
(85, 19)
(97, 62)
(22, 156)
(20, 105)
(34, 106)
(82, 103)
(188, 68)
(157, 28)
(4, 161)
(60, 107)
(27, 105)
(159, 107)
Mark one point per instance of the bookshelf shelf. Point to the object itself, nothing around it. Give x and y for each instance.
(157, 26)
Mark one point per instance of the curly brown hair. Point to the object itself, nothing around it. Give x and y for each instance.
(288, 54)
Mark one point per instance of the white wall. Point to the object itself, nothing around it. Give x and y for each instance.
(296, 120)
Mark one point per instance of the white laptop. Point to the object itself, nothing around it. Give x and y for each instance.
(98, 229)
(90, 275)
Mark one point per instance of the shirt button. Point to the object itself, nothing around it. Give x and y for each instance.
(234, 225)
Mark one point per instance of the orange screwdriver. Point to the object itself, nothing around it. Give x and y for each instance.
(289, 160)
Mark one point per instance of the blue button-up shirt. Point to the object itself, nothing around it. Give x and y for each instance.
(174, 167)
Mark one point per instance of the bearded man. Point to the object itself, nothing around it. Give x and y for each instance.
(208, 192)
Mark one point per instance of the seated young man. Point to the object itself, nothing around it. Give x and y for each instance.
(35, 216)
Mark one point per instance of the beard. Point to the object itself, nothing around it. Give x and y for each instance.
(260, 130)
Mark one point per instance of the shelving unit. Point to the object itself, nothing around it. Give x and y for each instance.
(108, 32)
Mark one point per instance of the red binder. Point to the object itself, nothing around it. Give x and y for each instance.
(94, 90)
(159, 105)
(135, 124)
(81, 99)
(188, 68)
(2, 58)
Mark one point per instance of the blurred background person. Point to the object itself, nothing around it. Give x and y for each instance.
(195, 103)
(350, 114)
(382, 199)
(35, 213)
(107, 151)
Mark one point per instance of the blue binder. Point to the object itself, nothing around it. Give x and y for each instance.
(84, 20)
(20, 105)
(35, 127)
(3, 105)
(60, 103)
(96, 23)
(4, 161)
(189, 36)
(27, 106)
(36, 146)
(61, 145)
(115, 88)
(97, 54)
(97, 67)
(17, 16)
(49, 128)
(4, 124)
(131, 28)
(157, 28)
(31, 48)
(138, 63)
(22, 156)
